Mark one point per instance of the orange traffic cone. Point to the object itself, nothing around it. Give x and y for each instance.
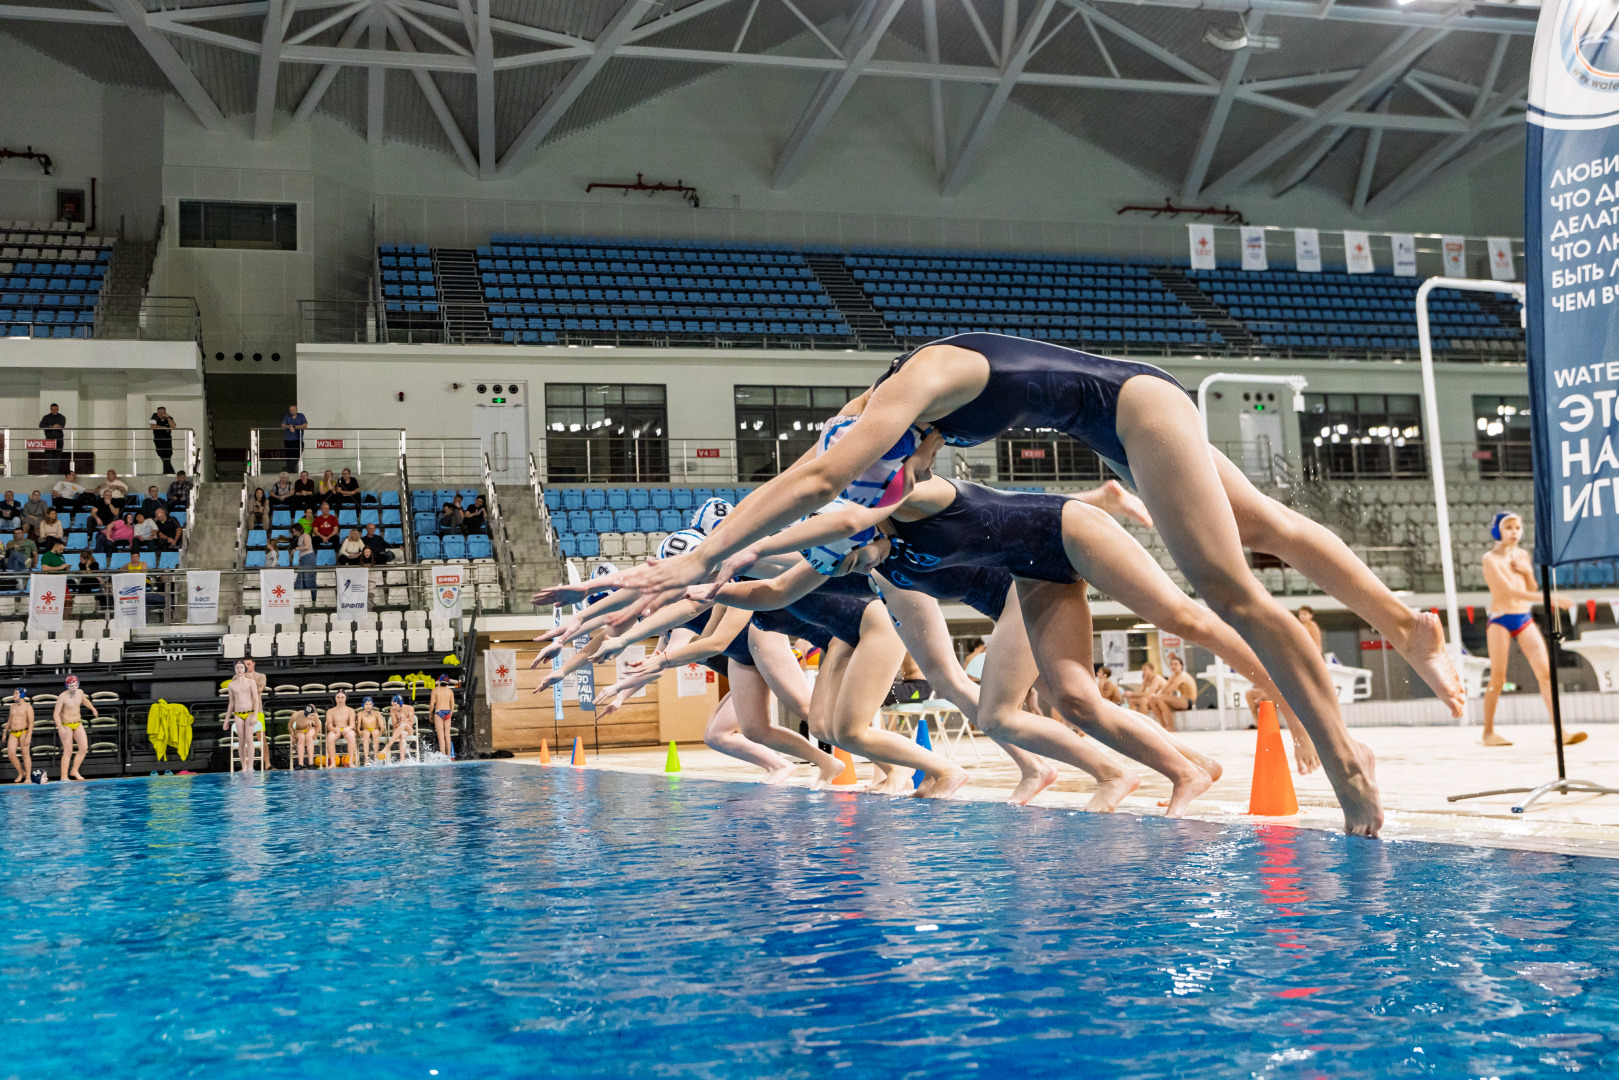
(578, 759)
(847, 776)
(545, 753)
(1272, 794)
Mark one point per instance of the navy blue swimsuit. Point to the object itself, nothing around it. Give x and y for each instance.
(1015, 531)
(783, 621)
(736, 651)
(1035, 384)
(982, 588)
(836, 606)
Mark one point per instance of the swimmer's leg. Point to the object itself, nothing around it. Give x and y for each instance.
(777, 670)
(245, 742)
(723, 734)
(1500, 643)
(1534, 650)
(21, 768)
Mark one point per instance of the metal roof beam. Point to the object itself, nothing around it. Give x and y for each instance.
(561, 99)
(859, 45)
(1018, 50)
(1219, 113)
(1145, 44)
(1485, 18)
(1443, 151)
(675, 18)
(1368, 162)
(316, 29)
(323, 81)
(484, 41)
(1306, 165)
(405, 15)
(180, 76)
(269, 66)
(376, 81)
(375, 58)
(454, 14)
(435, 100)
(930, 43)
(59, 15)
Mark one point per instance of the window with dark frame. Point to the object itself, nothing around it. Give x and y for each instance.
(606, 433)
(1363, 436)
(1029, 455)
(247, 225)
(776, 424)
(1502, 431)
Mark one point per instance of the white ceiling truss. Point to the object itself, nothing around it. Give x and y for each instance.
(1466, 116)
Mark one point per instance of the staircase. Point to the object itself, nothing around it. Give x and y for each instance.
(869, 329)
(533, 565)
(211, 544)
(1501, 307)
(131, 267)
(460, 294)
(1217, 318)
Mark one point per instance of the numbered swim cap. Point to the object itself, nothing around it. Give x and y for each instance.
(827, 557)
(601, 569)
(710, 514)
(883, 484)
(1495, 522)
(678, 543)
(309, 710)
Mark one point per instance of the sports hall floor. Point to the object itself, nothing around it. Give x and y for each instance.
(1417, 768)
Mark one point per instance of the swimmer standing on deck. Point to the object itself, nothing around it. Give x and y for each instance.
(20, 735)
(70, 732)
(246, 708)
(442, 704)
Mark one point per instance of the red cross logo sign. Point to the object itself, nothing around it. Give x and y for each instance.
(1359, 248)
(501, 671)
(1202, 242)
(48, 597)
(278, 592)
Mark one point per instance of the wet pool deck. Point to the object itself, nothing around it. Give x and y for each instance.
(1417, 769)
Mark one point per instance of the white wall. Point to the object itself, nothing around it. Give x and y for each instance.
(57, 111)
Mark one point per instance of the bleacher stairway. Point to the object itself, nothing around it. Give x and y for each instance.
(212, 543)
(1215, 317)
(460, 290)
(868, 326)
(534, 565)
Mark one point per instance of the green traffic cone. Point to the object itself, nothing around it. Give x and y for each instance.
(673, 763)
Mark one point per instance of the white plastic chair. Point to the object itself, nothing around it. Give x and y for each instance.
(443, 638)
(314, 642)
(415, 620)
(53, 652)
(110, 650)
(93, 628)
(235, 646)
(5, 652)
(392, 620)
(286, 643)
(417, 639)
(82, 651)
(365, 641)
(241, 624)
(260, 644)
(340, 642)
(393, 640)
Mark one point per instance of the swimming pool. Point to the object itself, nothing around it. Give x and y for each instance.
(501, 920)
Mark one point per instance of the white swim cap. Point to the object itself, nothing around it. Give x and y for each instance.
(678, 543)
(601, 569)
(710, 514)
(827, 557)
(884, 483)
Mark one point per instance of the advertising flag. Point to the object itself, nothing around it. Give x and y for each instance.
(447, 582)
(1358, 253)
(353, 588)
(1307, 250)
(1501, 267)
(129, 600)
(500, 675)
(1253, 248)
(202, 596)
(1405, 254)
(1570, 175)
(47, 595)
(276, 597)
(1201, 237)
(1455, 249)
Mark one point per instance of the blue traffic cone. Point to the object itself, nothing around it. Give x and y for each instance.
(926, 743)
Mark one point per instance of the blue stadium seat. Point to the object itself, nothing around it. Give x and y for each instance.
(348, 518)
(623, 521)
(659, 498)
(617, 499)
(589, 547)
(368, 516)
(256, 538)
(455, 547)
(646, 520)
(682, 498)
(553, 499)
(595, 499)
(670, 520)
(573, 499)
(255, 560)
(478, 547)
(569, 546)
(386, 498)
(639, 499)
(393, 537)
(280, 519)
(601, 521)
(427, 547)
(326, 557)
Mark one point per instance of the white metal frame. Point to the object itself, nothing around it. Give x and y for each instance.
(1295, 382)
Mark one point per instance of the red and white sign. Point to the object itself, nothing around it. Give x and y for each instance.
(691, 680)
(1358, 253)
(1201, 239)
(1455, 248)
(708, 451)
(39, 444)
(328, 444)
(1501, 265)
(447, 581)
(1037, 452)
(47, 596)
(500, 675)
(277, 597)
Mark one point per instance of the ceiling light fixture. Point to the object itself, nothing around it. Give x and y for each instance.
(1241, 38)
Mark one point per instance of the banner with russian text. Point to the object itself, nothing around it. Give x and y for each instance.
(1253, 248)
(447, 582)
(129, 600)
(1307, 250)
(47, 596)
(1455, 250)
(1571, 256)
(353, 587)
(1201, 238)
(276, 597)
(202, 596)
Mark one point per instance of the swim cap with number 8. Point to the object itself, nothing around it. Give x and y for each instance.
(708, 516)
(883, 484)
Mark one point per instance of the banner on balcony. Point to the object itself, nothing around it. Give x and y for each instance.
(47, 596)
(447, 582)
(1358, 253)
(1253, 248)
(202, 597)
(1307, 250)
(500, 675)
(1405, 254)
(129, 601)
(276, 597)
(1571, 177)
(1455, 249)
(1201, 237)
(1501, 267)
(353, 589)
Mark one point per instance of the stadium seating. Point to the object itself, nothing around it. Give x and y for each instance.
(51, 276)
(379, 508)
(431, 544)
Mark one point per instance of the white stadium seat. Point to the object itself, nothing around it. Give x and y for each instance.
(286, 643)
(53, 652)
(235, 646)
(314, 642)
(417, 639)
(82, 651)
(365, 640)
(260, 644)
(340, 642)
(24, 653)
(393, 641)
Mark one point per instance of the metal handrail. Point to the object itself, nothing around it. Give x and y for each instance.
(135, 442)
(497, 531)
(376, 443)
(541, 511)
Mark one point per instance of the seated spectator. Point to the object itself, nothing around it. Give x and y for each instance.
(69, 493)
(88, 564)
(20, 551)
(169, 532)
(114, 491)
(476, 517)
(281, 493)
(327, 487)
(119, 535)
(303, 523)
(137, 565)
(303, 492)
(325, 527)
(449, 518)
(145, 532)
(10, 511)
(52, 561)
(33, 512)
(377, 546)
(258, 510)
(50, 526)
(353, 551)
(348, 490)
(180, 492)
(152, 502)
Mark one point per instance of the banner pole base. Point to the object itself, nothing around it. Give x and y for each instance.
(1561, 786)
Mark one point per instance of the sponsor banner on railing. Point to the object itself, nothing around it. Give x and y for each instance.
(1253, 248)
(353, 587)
(202, 596)
(328, 444)
(47, 595)
(1455, 250)
(447, 583)
(129, 600)
(500, 675)
(1307, 250)
(276, 596)
(692, 681)
(1201, 239)
(39, 444)
(1405, 254)
(1358, 253)
(1501, 268)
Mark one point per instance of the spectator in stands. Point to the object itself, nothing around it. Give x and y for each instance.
(304, 522)
(114, 491)
(68, 492)
(476, 517)
(281, 493)
(378, 546)
(169, 532)
(52, 561)
(33, 512)
(1108, 688)
(180, 492)
(258, 510)
(348, 490)
(305, 557)
(88, 564)
(326, 488)
(145, 532)
(152, 501)
(292, 435)
(10, 512)
(1151, 684)
(449, 518)
(119, 535)
(325, 526)
(50, 527)
(51, 426)
(353, 551)
(303, 492)
(20, 551)
(163, 438)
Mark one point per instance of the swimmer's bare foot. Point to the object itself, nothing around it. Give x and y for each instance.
(1358, 794)
(1492, 739)
(1110, 793)
(781, 774)
(1180, 799)
(1304, 756)
(942, 786)
(1573, 737)
(1424, 650)
(1030, 786)
(826, 774)
(1116, 500)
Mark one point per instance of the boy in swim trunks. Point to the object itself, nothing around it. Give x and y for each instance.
(245, 707)
(70, 730)
(402, 719)
(1178, 694)
(442, 703)
(340, 723)
(370, 730)
(20, 735)
(1151, 684)
(305, 726)
(1510, 575)
(262, 682)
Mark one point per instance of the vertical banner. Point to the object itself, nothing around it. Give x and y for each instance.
(692, 681)
(353, 591)
(276, 597)
(1501, 266)
(1116, 650)
(1358, 253)
(585, 678)
(447, 582)
(1455, 249)
(202, 596)
(1571, 167)
(1405, 254)
(500, 675)
(47, 595)
(556, 662)
(634, 653)
(1253, 248)
(129, 600)
(1201, 238)
(1307, 250)
(1170, 645)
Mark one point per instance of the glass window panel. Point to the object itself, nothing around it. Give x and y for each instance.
(564, 394)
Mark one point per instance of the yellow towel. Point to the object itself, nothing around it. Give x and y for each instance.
(169, 724)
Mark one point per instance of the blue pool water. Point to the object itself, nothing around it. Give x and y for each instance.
(500, 920)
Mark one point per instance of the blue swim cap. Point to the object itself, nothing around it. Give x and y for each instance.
(827, 557)
(678, 543)
(1495, 522)
(708, 516)
(22, 693)
(398, 700)
(883, 483)
(367, 701)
